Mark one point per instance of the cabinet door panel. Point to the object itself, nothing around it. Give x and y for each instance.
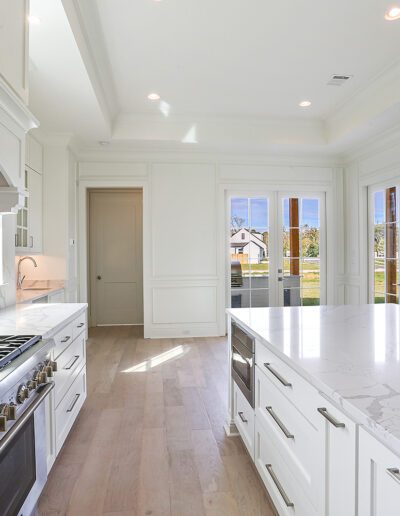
(35, 212)
(379, 482)
(341, 463)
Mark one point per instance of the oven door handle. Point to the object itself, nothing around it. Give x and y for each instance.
(43, 392)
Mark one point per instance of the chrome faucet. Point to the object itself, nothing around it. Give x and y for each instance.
(20, 278)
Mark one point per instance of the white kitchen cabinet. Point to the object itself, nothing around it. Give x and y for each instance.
(340, 467)
(244, 419)
(29, 236)
(14, 52)
(378, 478)
(34, 154)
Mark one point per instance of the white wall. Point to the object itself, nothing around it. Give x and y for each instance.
(184, 214)
(378, 162)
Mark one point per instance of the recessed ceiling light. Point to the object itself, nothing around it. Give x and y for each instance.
(33, 20)
(393, 13)
(305, 103)
(153, 96)
(104, 143)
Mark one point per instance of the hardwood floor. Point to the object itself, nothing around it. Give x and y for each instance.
(149, 439)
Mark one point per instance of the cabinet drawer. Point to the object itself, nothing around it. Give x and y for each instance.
(280, 482)
(69, 408)
(244, 419)
(378, 477)
(300, 443)
(69, 364)
(301, 393)
(79, 325)
(62, 340)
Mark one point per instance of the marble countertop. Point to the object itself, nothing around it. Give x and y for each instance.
(38, 319)
(42, 288)
(351, 354)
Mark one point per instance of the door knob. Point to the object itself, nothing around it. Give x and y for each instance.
(98, 277)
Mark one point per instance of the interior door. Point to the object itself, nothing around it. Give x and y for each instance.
(116, 257)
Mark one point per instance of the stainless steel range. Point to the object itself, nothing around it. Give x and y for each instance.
(26, 374)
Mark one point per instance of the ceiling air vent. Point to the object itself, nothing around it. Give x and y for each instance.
(338, 80)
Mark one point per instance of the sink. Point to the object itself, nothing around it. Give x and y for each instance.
(35, 288)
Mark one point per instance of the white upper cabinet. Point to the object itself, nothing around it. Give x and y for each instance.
(14, 45)
(29, 236)
(34, 154)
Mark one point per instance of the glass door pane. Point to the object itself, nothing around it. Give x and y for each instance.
(301, 257)
(385, 242)
(249, 252)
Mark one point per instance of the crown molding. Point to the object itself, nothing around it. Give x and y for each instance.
(16, 108)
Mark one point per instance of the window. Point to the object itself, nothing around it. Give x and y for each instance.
(384, 245)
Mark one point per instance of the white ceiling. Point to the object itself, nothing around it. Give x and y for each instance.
(217, 64)
(61, 94)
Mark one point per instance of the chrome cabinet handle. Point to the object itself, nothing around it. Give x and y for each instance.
(394, 473)
(80, 325)
(282, 492)
(277, 375)
(71, 408)
(65, 339)
(240, 414)
(286, 432)
(76, 357)
(330, 418)
(31, 241)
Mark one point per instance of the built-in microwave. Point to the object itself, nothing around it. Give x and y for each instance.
(242, 352)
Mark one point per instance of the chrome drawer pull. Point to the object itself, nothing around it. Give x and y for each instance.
(394, 473)
(80, 325)
(71, 408)
(65, 339)
(330, 418)
(277, 375)
(240, 414)
(288, 435)
(74, 359)
(285, 497)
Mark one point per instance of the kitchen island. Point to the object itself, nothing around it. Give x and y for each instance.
(327, 407)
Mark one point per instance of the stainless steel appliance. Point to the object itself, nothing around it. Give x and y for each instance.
(26, 373)
(243, 349)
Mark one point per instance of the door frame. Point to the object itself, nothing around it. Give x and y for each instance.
(92, 307)
(83, 234)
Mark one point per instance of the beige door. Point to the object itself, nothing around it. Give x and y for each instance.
(116, 257)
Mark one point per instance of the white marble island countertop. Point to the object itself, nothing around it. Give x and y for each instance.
(38, 319)
(350, 353)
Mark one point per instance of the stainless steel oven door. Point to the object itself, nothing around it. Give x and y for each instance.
(242, 366)
(23, 464)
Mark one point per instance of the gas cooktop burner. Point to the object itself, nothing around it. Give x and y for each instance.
(12, 346)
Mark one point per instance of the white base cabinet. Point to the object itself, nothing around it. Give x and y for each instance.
(69, 393)
(244, 419)
(378, 478)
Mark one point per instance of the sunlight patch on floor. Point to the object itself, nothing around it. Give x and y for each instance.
(158, 360)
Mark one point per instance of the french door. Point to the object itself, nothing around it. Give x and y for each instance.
(383, 229)
(277, 247)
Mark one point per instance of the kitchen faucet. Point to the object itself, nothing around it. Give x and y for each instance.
(20, 278)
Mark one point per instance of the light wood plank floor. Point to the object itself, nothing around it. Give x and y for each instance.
(149, 439)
